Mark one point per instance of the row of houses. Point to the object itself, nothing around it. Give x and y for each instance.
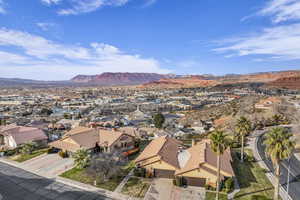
(164, 157)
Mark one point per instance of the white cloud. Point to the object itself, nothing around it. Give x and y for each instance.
(2, 9)
(9, 58)
(52, 60)
(50, 2)
(281, 42)
(45, 26)
(39, 46)
(86, 6)
(149, 3)
(282, 10)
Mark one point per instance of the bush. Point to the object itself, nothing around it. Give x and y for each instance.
(140, 172)
(178, 181)
(229, 184)
(10, 152)
(63, 154)
(259, 197)
(209, 187)
(235, 145)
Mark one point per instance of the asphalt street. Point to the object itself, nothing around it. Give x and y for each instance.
(294, 183)
(18, 184)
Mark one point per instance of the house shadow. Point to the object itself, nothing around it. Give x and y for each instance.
(26, 186)
(243, 172)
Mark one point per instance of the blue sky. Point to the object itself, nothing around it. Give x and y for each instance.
(58, 39)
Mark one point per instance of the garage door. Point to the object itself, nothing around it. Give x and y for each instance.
(160, 173)
(199, 182)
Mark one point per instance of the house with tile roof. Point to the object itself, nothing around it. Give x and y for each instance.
(12, 136)
(166, 157)
(90, 138)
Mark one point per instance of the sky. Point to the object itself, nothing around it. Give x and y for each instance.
(59, 39)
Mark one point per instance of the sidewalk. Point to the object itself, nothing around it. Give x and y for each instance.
(253, 146)
(106, 193)
(124, 181)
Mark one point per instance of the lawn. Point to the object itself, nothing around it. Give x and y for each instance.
(212, 196)
(80, 175)
(252, 179)
(135, 187)
(24, 157)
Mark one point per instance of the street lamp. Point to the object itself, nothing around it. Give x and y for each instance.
(288, 177)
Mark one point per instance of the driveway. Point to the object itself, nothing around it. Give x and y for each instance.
(163, 189)
(18, 184)
(48, 165)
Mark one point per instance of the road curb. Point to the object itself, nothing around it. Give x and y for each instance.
(269, 174)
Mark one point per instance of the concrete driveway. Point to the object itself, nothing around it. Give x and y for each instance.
(163, 189)
(48, 165)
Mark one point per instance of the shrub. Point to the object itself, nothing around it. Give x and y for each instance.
(28, 148)
(10, 152)
(229, 184)
(140, 172)
(259, 197)
(63, 154)
(82, 158)
(178, 181)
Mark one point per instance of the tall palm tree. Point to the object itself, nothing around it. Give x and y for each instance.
(279, 146)
(219, 143)
(243, 128)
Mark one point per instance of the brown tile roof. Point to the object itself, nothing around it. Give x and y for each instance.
(201, 153)
(23, 134)
(168, 150)
(86, 138)
(165, 147)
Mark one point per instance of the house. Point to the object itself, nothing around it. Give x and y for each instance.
(90, 138)
(166, 157)
(268, 103)
(12, 136)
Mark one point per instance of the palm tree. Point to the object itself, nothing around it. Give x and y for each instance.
(243, 128)
(219, 143)
(81, 158)
(279, 146)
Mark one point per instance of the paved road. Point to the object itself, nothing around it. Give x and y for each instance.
(294, 186)
(18, 184)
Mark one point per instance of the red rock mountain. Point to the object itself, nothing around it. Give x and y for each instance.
(286, 83)
(108, 79)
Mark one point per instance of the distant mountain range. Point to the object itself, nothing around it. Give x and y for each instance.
(281, 79)
(109, 79)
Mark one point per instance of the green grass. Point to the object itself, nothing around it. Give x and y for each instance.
(252, 179)
(24, 157)
(135, 187)
(212, 196)
(80, 175)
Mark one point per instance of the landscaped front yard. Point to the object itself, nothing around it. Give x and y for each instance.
(136, 187)
(81, 175)
(23, 157)
(252, 179)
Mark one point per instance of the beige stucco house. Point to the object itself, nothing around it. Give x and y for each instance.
(166, 157)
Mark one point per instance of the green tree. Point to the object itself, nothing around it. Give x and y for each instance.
(279, 146)
(159, 120)
(81, 158)
(219, 143)
(243, 128)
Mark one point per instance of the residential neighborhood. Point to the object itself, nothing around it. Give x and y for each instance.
(149, 100)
